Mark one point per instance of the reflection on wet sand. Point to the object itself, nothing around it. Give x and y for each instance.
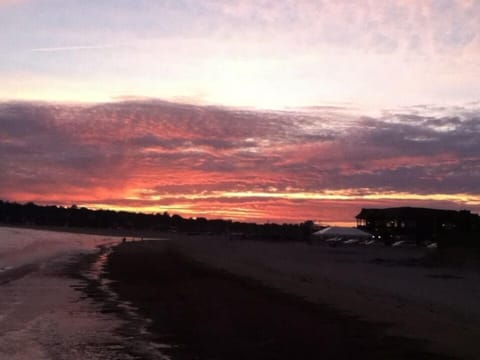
(60, 307)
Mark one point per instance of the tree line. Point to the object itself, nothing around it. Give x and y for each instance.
(31, 214)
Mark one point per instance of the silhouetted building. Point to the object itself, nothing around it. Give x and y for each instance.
(418, 225)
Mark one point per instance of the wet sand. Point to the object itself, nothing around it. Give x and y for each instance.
(55, 303)
(203, 313)
(43, 317)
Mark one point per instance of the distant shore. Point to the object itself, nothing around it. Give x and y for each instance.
(206, 313)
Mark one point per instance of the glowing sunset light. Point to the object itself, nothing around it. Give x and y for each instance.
(191, 204)
(302, 167)
(254, 110)
(344, 195)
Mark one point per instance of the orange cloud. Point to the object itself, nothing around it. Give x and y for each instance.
(155, 156)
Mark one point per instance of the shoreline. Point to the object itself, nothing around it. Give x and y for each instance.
(205, 312)
(53, 311)
(135, 342)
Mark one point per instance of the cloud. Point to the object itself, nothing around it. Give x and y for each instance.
(73, 48)
(159, 154)
(11, 2)
(381, 26)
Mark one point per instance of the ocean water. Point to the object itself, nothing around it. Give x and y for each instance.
(44, 311)
(20, 247)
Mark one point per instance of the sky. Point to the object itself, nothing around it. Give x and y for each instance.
(263, 110)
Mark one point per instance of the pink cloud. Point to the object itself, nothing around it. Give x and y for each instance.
(12, 2)
(158, 155)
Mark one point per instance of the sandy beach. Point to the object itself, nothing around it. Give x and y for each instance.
(436, 304)
(204, 297)
(206, 313)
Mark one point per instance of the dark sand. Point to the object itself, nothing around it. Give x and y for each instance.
(209, 314)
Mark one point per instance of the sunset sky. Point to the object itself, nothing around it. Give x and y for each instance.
(262, 110)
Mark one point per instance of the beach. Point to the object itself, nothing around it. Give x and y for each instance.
(207, 313)
(206, 297)
(431, 302)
